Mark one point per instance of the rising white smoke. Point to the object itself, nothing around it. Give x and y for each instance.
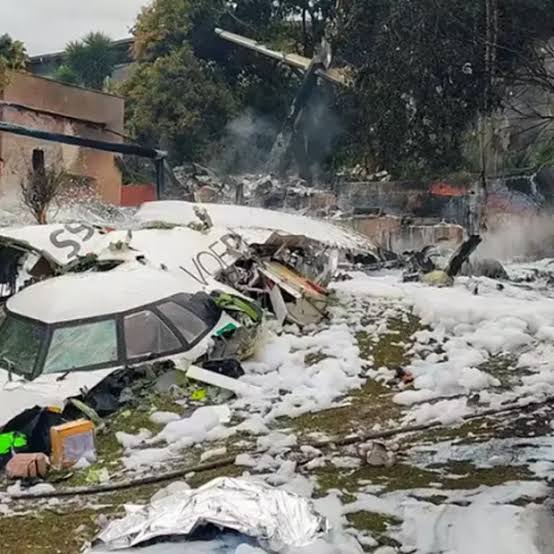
(520, 238)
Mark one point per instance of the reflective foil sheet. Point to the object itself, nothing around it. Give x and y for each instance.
(276, 518)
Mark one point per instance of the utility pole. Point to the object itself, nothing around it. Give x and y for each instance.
(486, 121)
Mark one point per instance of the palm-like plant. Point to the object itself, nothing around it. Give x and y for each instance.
(89, 61)
(13, 57)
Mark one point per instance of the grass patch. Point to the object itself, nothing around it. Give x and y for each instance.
(313, 358)
(502, 367)
(391, 348)
(367, 406)
(397, 477)
(377, 524)
(46, 532)
(372, 403)
(467, 432)
(473, 477)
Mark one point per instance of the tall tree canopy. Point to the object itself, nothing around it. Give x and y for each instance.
(216, 80)
(177, 101)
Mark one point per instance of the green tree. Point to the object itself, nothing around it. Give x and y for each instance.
(166, 25)
(88, 62)
(178, 101)
(425, 70)
(13, 57)
(188, 83)
(315, 17)
(66, 74)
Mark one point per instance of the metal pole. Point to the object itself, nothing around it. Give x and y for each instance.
(117, 147)
(160, 177)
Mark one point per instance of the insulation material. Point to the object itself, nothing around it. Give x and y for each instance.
(276, 518)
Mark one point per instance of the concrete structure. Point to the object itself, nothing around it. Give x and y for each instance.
(44, 104)
(399, 234)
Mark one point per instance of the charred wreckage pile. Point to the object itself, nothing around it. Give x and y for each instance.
(265, 190)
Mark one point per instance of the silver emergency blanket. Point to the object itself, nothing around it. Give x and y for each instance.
(276, 518)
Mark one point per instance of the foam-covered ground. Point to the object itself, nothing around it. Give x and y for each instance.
(468, 487)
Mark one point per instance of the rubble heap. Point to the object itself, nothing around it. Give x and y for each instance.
(291, 193)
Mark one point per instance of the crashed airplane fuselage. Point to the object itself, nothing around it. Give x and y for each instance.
(63, 337)
(284, 260)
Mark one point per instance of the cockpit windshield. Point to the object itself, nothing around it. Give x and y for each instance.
(20, 343)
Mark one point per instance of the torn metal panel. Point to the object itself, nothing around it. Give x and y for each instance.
(281, 152)
(240, 337)
(462, 254)
(292, 282)
(426, 265)
(305, 302)
(418, 263)
(304, 255)
(277, 302)
(256, 225)
(59, 244)
(19, 394)
(221, 381)
(36, 252)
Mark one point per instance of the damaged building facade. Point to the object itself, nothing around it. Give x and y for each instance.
(47, 105)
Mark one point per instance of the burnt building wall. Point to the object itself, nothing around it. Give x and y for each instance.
(403, 198)
(444, 200)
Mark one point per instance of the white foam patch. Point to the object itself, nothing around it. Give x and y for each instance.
(469, 329)
(291, 385)
(163, 418)
(537, 453)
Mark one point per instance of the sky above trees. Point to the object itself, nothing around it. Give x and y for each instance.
(47, 26)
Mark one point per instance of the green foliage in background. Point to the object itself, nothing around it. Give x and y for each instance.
(13, 57)
(425, 75)
(88, 62)
(177, 101)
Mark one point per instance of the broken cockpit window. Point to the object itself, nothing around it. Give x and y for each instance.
(20, 344)
(80, 346)
(186, 322)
